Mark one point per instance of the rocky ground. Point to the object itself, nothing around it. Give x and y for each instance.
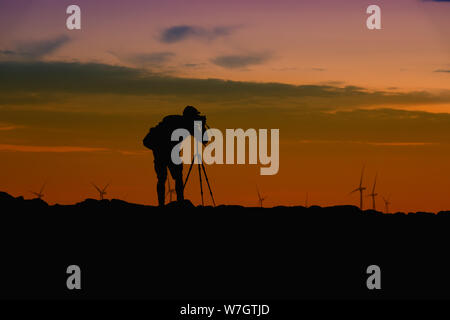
(228, 252)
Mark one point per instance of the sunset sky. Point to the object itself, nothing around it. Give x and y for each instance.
(75, 105)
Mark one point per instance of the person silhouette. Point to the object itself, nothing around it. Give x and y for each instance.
(159, 141)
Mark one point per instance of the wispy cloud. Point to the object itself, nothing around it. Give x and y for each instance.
(443, 70)
(9, 127)
(373, 143)
(183, 32)
(154, 59)
(61, 78)
(65, 149)
(403, 144)
(52, 149)
(240, 61)
(34, 50)
(132, 153)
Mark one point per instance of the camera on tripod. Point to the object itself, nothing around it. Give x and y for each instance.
(201, 167)
(202, 119)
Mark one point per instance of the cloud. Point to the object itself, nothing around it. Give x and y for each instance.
(65, 149)
(374, 128)
(403, 144)
(151, 59)
(122, 101)
(40, 81)
(183, 32)
(52, 149)
(9, 127)
(28, 98)
(239, 61)
(34, 50)
(133, 153)
(443, 70)
(193, 65)
(373, 143)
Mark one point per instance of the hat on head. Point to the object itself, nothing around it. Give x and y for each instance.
(190, 111)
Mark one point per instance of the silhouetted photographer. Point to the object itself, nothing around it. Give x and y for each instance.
(159, 141)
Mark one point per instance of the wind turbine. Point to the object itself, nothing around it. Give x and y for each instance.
(39, 194)
(169, 191)
(360, 189)
(373, 194)
(101, 192)
(260, 199)
(386, 203)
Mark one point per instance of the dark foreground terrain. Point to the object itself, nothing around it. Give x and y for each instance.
(227, 252)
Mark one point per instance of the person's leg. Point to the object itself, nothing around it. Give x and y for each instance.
(161, 174)
(177, 174)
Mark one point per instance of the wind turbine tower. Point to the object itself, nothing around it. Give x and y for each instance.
(360, 189)
(39, 194)
(374, 194)
(386, 203)
(102, 192)
(170, 191)
(260, 198)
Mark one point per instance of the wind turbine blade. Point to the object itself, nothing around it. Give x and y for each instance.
(259, 195)
(98, 189)
(104, 189)
(43, 186)
(357, 189)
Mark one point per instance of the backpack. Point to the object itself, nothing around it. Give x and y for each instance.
(156, 137)
(150, 139)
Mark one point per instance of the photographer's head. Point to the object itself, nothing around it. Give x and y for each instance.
(192, 116)
(191, 113)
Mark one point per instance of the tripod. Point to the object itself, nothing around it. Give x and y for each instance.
(200, 167)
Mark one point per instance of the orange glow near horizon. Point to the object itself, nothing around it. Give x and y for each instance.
(74, 106)
(326, 171)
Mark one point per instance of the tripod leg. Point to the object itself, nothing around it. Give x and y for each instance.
(189, 172)
(207, 182)
(201, 186)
